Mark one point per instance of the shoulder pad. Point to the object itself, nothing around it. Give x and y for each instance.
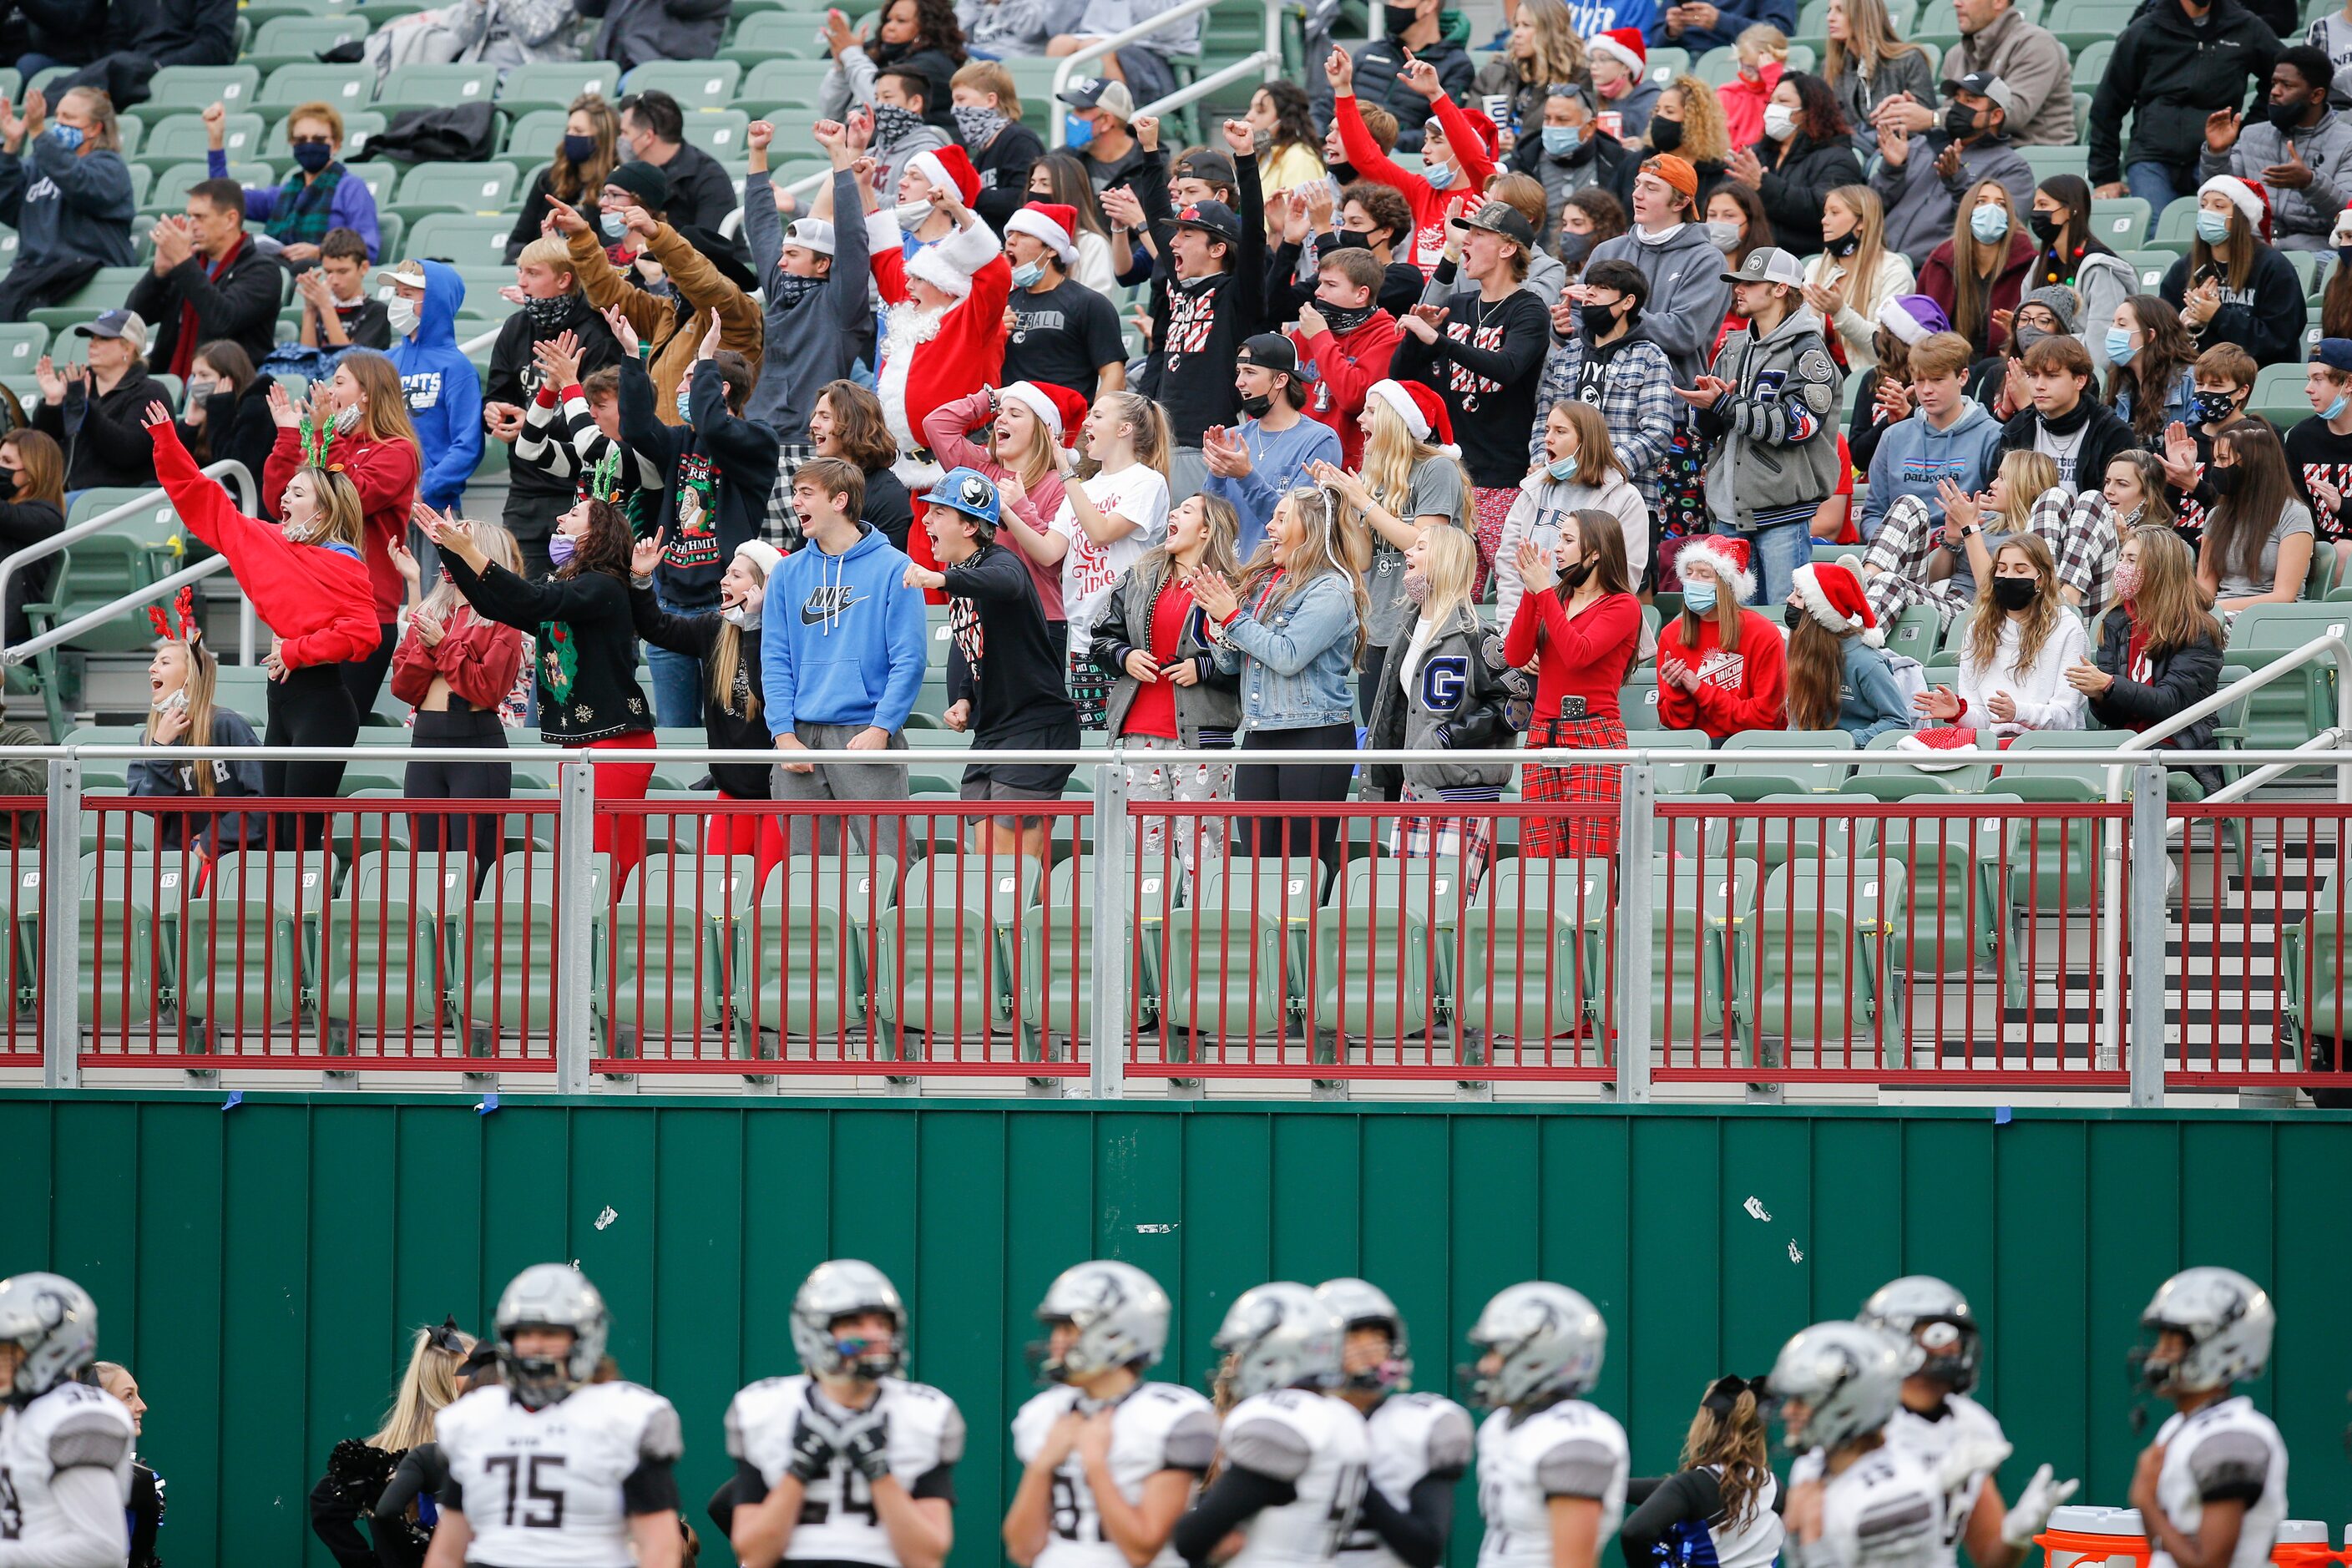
(1192, 1442)
(1269, 1447)
(2231, 1457)
(92, 1434)
(1576, 1467)
(660, 1440)
(951, 1434)
(1897, 1515)
(1450, 1438)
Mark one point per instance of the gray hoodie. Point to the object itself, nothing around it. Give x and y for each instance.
(818, 338)
(2300, 219)
(1921, 203)
(1689, 298)
(1774, 433)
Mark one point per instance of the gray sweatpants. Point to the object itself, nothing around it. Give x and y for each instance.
(842, 780)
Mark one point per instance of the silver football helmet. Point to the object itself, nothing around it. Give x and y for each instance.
(844, 1287)
(2228, 1320)
(550, 1296)
(1550, 1340)
(1848, 1376)
(1119, 1313)
(55, 1323)
(1280, 1336)
(1923, 1311)
(1360, 1304)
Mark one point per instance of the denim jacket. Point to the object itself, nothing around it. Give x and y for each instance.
(1294, 665)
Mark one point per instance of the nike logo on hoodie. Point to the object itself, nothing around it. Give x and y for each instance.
(828, 603)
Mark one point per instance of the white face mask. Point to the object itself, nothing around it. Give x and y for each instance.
(171, 702)
(1780, 122)
(911, 214)
(403, 314)
(745, 614)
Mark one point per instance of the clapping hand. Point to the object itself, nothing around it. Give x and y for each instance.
(1710, 390)
(1535, 573)
(173, 242)
(503, 421)
(558, 359)
(158, 415)
(282, 412)
(2089, 678)
(317, 297)
(1423, 321)
(1321, 199)
(405, 564)
(12, 128)
(2292, 175)
(36, 111)
(2002, 707)
(1137, 663)
(645, 554)
(1892, 401)
(425, 625)
(52, 383)
(1123, 208)
(1226, 455)
(1939, 702)
(1947, 162)
(838, 33)
(1746, 168)
(1961, 510)
(1214, 593)
(2180, 457)
(2221, 127)
(624, 334)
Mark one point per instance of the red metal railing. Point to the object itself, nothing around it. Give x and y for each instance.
(20, 1036)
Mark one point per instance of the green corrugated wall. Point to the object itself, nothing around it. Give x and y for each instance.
(257, 1265)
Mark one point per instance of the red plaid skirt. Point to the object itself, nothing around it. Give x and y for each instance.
(1593, 831)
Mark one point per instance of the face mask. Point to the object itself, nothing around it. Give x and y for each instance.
(561, 548)
(612, 226)
(891, 122)
(348, 420)
(742, 615)
(170, 702)
(1780, 122)
(1574, 248)
(2336, 409)
(2015, 593)
(1416, 587)
(313, 156)
(2287, 116)
(1563, 471)
(2029, 334)
(68, 137)
(2044, 226)
(1989, 223)
(549, 312)
(1028, 273)
(685, 397)
(1792, 616)
(1259, 408)
(2212, 408)
(2212, 227)
(1399, 19)
(911, 214)
(1342, 320)
(1698, 598)
(2120, 347)
(2224, 480)
(1560, 140)
(788, 290)
(578, 149)
(1439, 177)
(1724, 233)
(201, 388)
(978, 125)
(1665, 135)
(1960, 123)
(1577, 576)
(402, 314)
(1076, 131)
(1596, 320)
(2126, 579)
(2344, 256)
(1843, 245)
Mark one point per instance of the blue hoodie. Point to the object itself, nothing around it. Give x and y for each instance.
(445, 395)
(842, 637)
(1912, 455)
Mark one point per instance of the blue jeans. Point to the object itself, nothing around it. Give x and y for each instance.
(678, 682)
(2158, 185)
(1773, 555)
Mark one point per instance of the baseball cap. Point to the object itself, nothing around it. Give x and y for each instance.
(1100, 92)
(1270, 350)
(128, 325)
(1502, 219)
(1212, 218)
(1770, 265)
(2335, 353)
(408, 273)
(1210, 168)
(810, 234)
(1984, 84)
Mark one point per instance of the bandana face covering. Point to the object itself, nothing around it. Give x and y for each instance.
(1343, 321)
(789, 290)
(891, 122)
(549, 312)
(978, 125)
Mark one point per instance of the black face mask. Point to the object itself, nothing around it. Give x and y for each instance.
(1596, 320)
(1665, 135)
(1959, 123)
(1575, 575)
(1258, 408)
(1342, 320)
(1792, 616)
(2288, 116)
(2015, 593)
(2223, 480)
(2344, 256)
(2044, 226)
(1843, 245)
(1399, 19)
(2212, 408)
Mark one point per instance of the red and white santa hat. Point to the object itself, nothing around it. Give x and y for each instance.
(1059, 409)
(1056, 225)
(947, 168)
(1725, 555)
(2251, 200)
(1624, 44)
(938, 272)
(1422, 411)
(1832, 595)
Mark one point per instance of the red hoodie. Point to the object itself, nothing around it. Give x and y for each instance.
(316, 597)
(1744, 690)
(1431, 206)
(1345, 370)
(385, 474)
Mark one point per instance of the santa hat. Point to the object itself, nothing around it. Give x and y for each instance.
(1489, 138)
(1913, 318)
(764, 555)
(938, 272)
(2251, 200)
(1832, 595)
(1051, 222)
(1725, 555)
(1059, 409)
(947, 168)
(1624, 44)
(1422, 411)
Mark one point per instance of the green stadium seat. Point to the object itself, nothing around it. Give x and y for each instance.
(1694, 983)
(168, 193)
(1231, 961)
(480, 189)
(346, 87)
(2119, 222)
(695, 84)
(2151, 266)
(1765, 843)
(1913, 632)
(1955, 918)
(2087, 22)
(2091, 67)
(784, 84)
(804, 952)
(232, 942)
(553, 85)
(1666, 63)
(2046, 161)
(383, 953)
(182, 139)
(1384, 949)
(2175, 226)
(284, 41)
(2278, 394)
(947, 959)
(720, 133)
(504, 949)
(2054, 863)
(1753, 781)
(774, 34)
(670, 938)
(465, 239)
(436, 87)
(1528, 972)
(116, 928)
(533, 139)
(1966, 778)
(22, 343)
(2312, 972)
(103, 568)
(179, 88)
(1818, 958)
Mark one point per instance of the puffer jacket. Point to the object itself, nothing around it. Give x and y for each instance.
(1464, 697)
(1123, 623)
(2300, 219)
(1774, 433)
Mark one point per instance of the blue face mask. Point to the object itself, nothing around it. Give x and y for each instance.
(612, 224)
(1563, 471)
(1989, 223)
(68, 137)
(1439, 175)
(685, 396)
(1698, 598)
(2336, 409)
(1560, 140)
(2212, 227)
(2120, 347)
(1028, 273)
(1077, 131)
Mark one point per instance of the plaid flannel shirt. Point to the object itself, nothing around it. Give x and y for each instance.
(1637, 404)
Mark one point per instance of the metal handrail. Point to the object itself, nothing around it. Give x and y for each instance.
(1266, 59)
(226, 469)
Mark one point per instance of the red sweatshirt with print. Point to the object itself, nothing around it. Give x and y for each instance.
(1742, 689)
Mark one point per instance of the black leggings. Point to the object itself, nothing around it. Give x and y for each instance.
(364, 678)
(311, 707)
(486, 780)
(1319, 782)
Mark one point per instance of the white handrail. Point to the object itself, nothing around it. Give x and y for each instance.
(163, 588)
(1268, 59)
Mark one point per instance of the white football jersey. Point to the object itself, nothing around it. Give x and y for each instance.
(1412, 1436)
(541, 1488)
(70, 1427)
(1319, 1445)
(1157, 1427)
(2227, 1449)
(838, 1522)
(1933, 1439)
(1568, 1449)
(1881, 1511)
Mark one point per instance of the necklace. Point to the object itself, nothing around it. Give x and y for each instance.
(1478, 324)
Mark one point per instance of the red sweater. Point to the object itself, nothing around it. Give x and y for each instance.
(478, 658)
(1585, 655)
(1747, 689)
(314, 596)
(385, 474)
(1345, 370)
(947, 432)
(1431, 206)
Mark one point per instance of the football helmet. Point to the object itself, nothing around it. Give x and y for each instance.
(1121, 1314)
(53, 1321)
(1550, 1340)
(841, 1289)
(550, 1296)
(1921, 1309)
(2228, 1320)
(1849, 1377)
(1360, 1304)
(1280, 1336)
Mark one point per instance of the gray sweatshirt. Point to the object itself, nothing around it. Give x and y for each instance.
(1775, 433)
(1921, 203)
(2300, 219)
(818, 338)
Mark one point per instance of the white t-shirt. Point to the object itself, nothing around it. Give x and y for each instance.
(1137, 493)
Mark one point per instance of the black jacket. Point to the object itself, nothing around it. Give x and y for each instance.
(514, 376)
(2265, 318)
(721, 469)
(701, 193)
(240, 305)
(695, 636)
(586, 670)
(2168, 76)
(2177, 679)
(2103, 436)
(106, 441)
(1004, 168)
(24, 524)
(1377, 65)
(1794, 189)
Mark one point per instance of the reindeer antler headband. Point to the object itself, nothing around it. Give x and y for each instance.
(184, 610)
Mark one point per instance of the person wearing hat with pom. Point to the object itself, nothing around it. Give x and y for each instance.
(1839, 674)
(1028, 426)
(1620, 80)
(2300, 152)
(922, 221)
(1062, 333)
(1457, 154)
(1254, 465)
(1884, 396)
(2232, 287)
(943, 327)
(1722, 666)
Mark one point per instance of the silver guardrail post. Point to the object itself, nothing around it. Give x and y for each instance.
(1107, 1040)
(575, 840)
(1637, 819)
(61, 927)
(2145, 1044)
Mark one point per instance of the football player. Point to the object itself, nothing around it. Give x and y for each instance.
(1112, 1460)
(1420, 1442)
(846, 1461)
(550, 1467)
(2212, 1489)
(1855, 1499)
(1551, 1467)
(1956, 1440)
(65, 1447)
(1293, 1458)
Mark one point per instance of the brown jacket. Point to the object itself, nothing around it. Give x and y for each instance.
(674, 336)
(2040, 75)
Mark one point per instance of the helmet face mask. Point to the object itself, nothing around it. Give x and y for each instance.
(1100, 1317)
(1376, 1355)
(1933, 1318)
(551, 1298)
(832, 1333)
(2205, 1329)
